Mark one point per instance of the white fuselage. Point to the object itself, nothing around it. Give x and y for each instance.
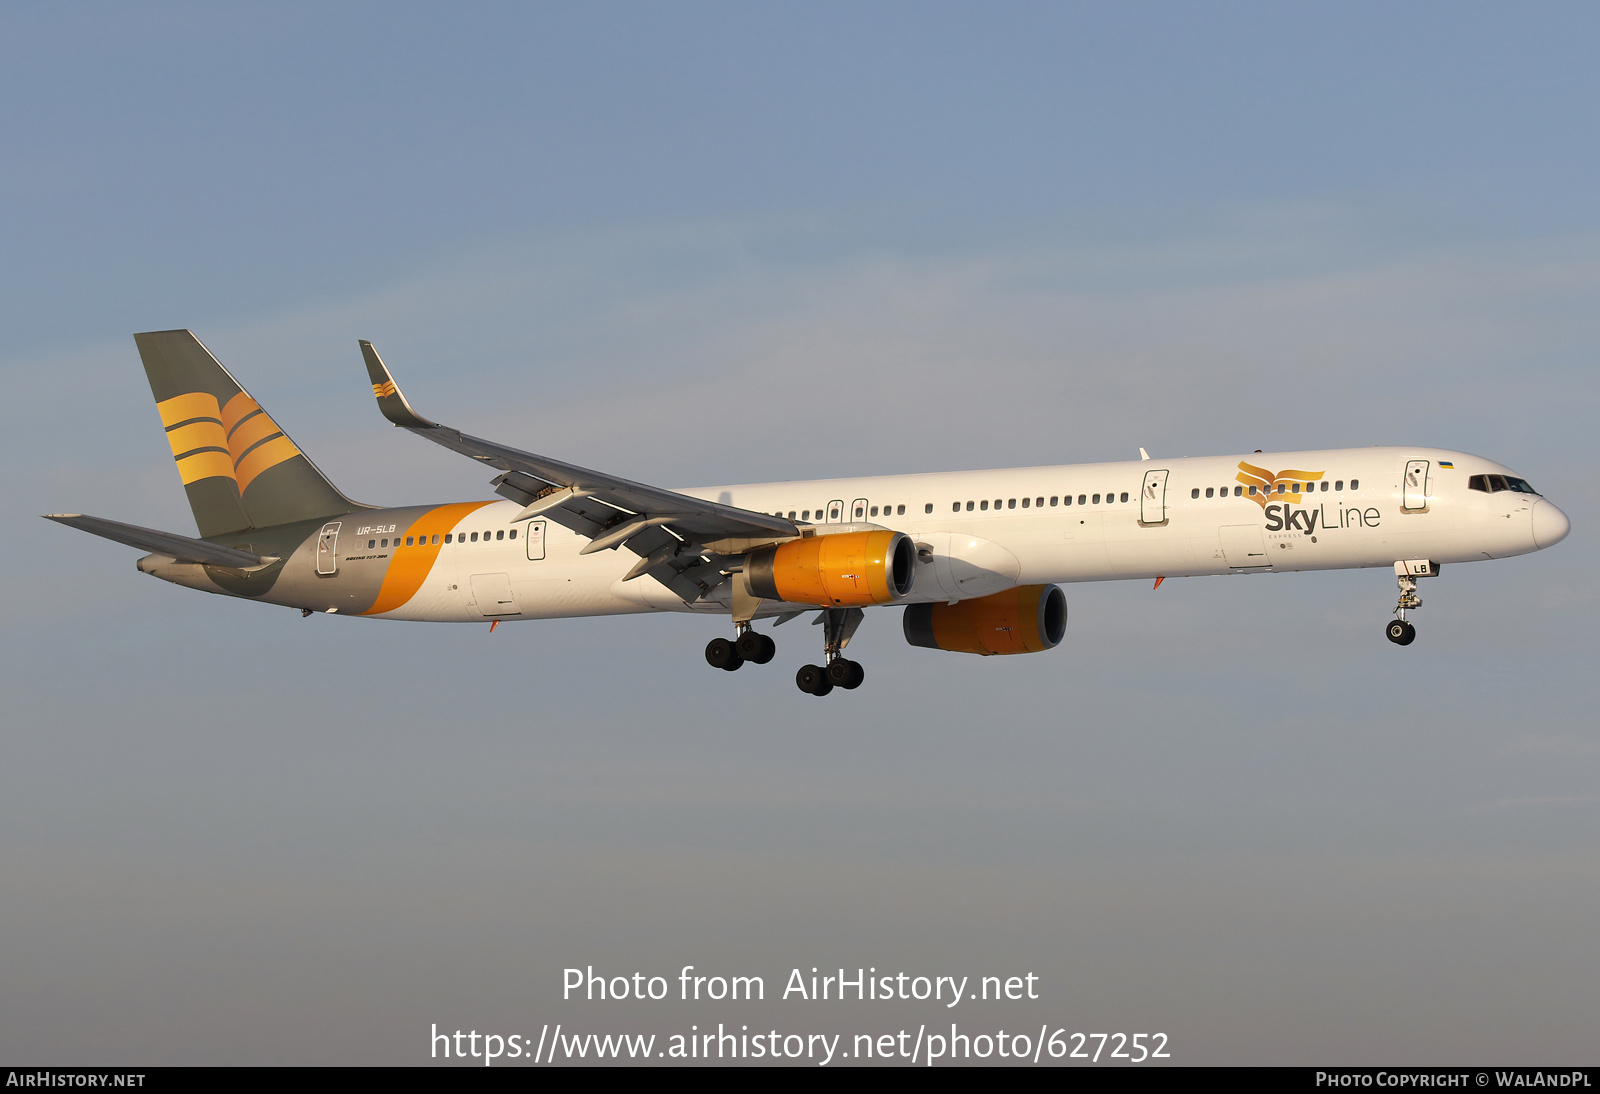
(978, 532)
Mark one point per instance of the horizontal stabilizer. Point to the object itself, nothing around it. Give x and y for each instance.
(179, 547)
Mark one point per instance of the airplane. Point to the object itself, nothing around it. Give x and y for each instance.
(974, 559)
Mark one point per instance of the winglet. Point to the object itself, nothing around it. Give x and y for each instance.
(390, 400)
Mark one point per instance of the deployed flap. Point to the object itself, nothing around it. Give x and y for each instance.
(595, 505)
(179, 547)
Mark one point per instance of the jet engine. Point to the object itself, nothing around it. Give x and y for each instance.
(847, 569)
(1026, 619)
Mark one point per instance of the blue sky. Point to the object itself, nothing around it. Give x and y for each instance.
(708, 243)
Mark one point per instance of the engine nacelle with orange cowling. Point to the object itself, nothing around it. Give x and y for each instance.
(1026, 619)
(844, 570)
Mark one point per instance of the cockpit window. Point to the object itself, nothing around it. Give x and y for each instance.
(1492, 484)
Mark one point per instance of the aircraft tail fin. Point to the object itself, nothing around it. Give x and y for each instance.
(238, 468)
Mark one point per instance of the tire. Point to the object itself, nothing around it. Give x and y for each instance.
(857, 675)
(840, 671)
(758, 648)
(721, 654)
(1400, 632)
(809, 679)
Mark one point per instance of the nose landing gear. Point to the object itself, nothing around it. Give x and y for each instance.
(1399, 630)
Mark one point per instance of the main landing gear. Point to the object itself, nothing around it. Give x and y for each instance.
(748, 646)
(837, 671)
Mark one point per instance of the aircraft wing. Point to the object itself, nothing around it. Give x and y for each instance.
(678, 538)
(171, 544)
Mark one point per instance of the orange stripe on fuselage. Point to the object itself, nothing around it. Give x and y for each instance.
(409, 566)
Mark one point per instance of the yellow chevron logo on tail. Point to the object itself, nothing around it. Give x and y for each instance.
(383, 389)
(237, 441)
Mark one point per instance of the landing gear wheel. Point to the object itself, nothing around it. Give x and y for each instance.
(845, 673)
(813, 680)
(759, 648)
(721, 654)
(1400, 632)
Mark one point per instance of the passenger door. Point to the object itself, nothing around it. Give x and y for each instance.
(1415, 486)
(1153, 498)
(328, 549)
(858, 510)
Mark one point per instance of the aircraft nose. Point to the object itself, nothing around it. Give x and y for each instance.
(1550, 525)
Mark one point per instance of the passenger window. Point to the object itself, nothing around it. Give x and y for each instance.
(474, 537)
(371, 543)
(1124, 498)
(385, 543)
(1355, 484)
(1324, 486)
(1195, 493)
(1339, 485)
(900, 510)
(874, 510)
(955, 507)
(805, 514)
(791, 514)
(1067, 500)
(1252, 491)
(1052, 501)
(984, 504)
(1080, 499)
(1097, 499)
(1012, 504)
(447, 537)
(1280, 487)
(1025, 502)
(436, 541)
(969, 507)
(1208, 491)
(1038, 503)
